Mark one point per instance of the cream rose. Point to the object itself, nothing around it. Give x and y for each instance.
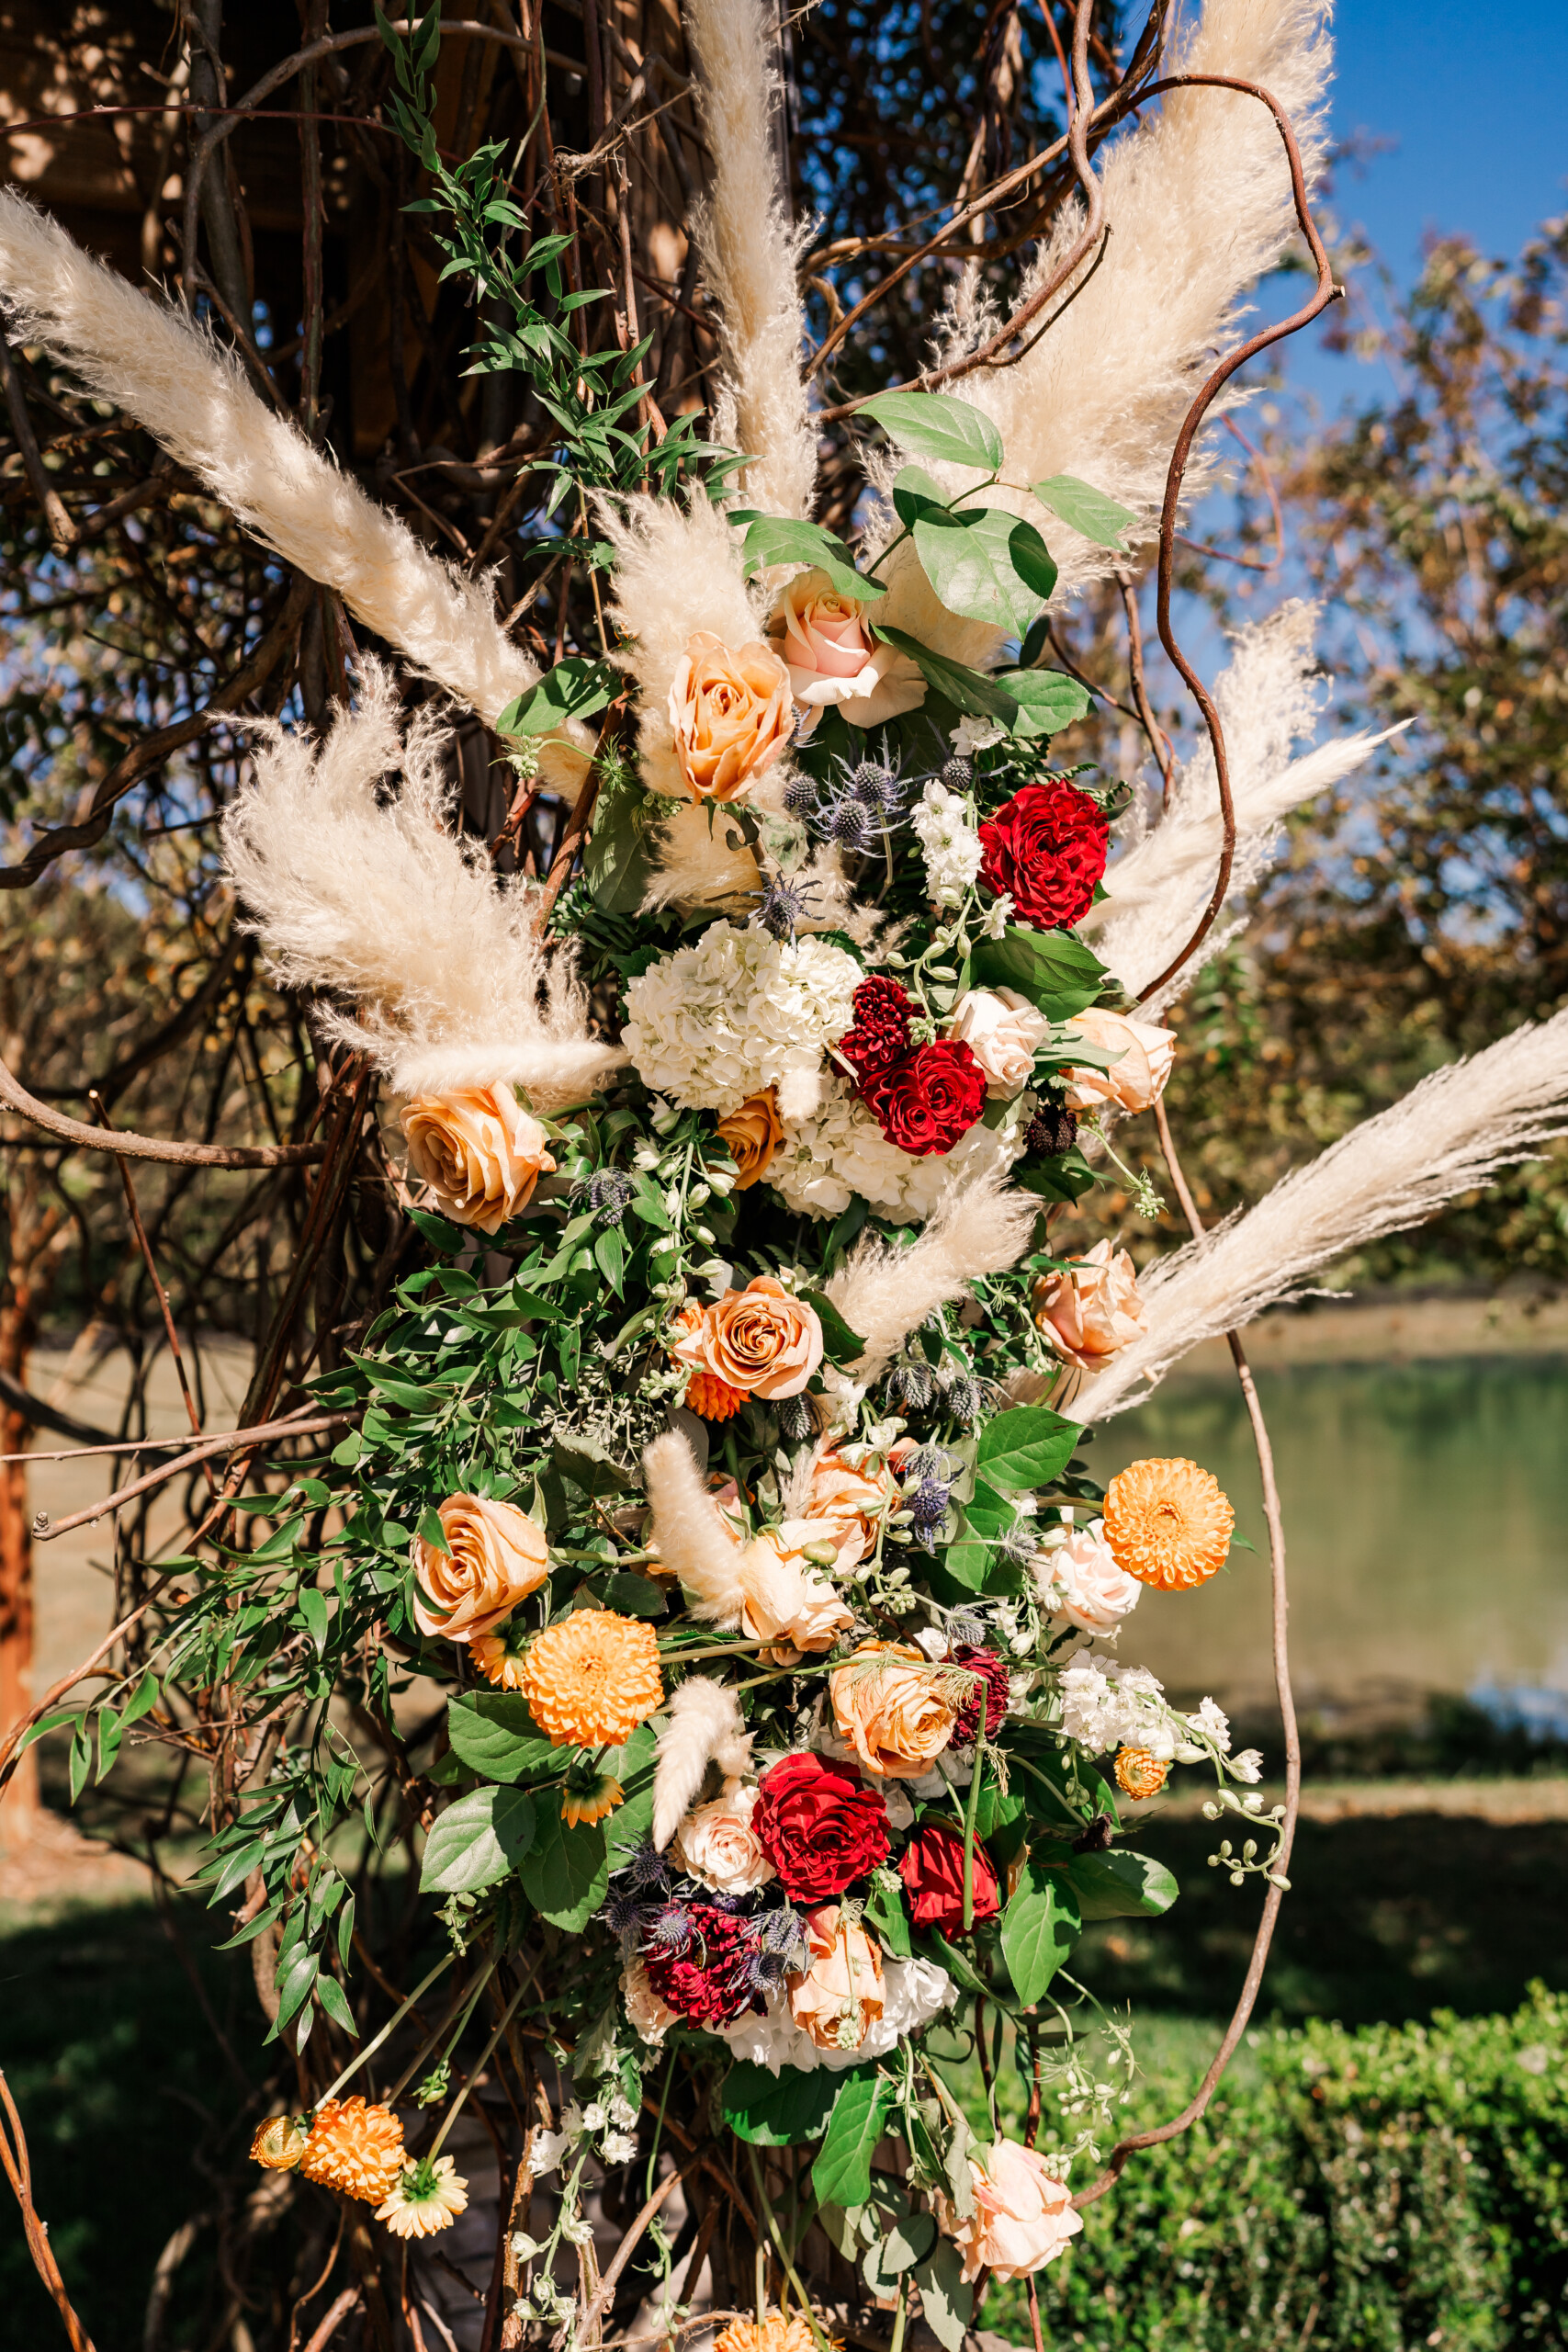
(1091, 1310)
(754, 1134)
(760, 1340)
(1080, 1579)
(732, 715)
(715, 1844)
(894, 1709)
(1004, 1033)
(853, 1501)
(651, 2017)
(839, 1997)
(831, 658)
(495, 1556)
(1023, 2217)
(788, 1602)
(1137, 1079)
(481, 1153)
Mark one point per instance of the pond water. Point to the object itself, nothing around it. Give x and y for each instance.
(1426, 1510)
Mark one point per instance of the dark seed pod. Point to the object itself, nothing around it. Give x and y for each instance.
(962, 1396)
(909, 1387)
(871, 783)
(800, 796)
(796, 1419)
(958, 775)
(1053, 1130)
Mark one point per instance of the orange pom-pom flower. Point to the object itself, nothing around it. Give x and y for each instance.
(355, 2149)
(1140, 1773)
(592, 1680)
(1167, 1524)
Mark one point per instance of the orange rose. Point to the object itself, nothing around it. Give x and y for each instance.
(758, 1340)
(1091, 1310)
(838, 1998)
(1136, 1079)
(823, 636)
(495, 1556)
(481, 1153)
(1022, 2218)
(789, 1603)
(753, 1135)
(894, 1709)
(732, 713)
(853, 1501)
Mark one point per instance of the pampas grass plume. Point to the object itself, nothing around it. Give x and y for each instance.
(705, 1727)
(692, 1539)
(884, 1293)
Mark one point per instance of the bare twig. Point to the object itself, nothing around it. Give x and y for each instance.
(46, 1529)
(15, 1095)
(61, 529)
(18, 2172)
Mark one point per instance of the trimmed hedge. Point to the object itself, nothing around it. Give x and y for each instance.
(1386, 2191)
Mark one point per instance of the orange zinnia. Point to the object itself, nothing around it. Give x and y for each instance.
(355, 2149)
(1167, 1524)
(1140, 1773)
(592, 1680)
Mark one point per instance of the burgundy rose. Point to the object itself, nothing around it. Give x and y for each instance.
(932, 1873)
(1046, 847)
(880, 1037)
(715, 1978)
(926, 1103)
(819, 1826)
(994, 1670)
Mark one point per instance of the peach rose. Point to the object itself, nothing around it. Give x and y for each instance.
(715, 1844)
(893, 1709)
(789, 1603)
(1022, 2218)
(1091, 1310)
(1133, 1082)
(838, 1998)
(1078, 1578)
(831, 657)
(758, 1340)
(732, 715)
(495, 1556)
(753, 1135)
(481, 1153)
(651, 2017)
(853, 1501)
(1004, 1033)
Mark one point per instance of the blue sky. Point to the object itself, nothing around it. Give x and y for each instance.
(1474, 102)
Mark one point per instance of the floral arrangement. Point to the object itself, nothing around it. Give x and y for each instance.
(709, 1526)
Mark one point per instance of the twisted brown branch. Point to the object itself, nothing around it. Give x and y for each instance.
(18, 2172)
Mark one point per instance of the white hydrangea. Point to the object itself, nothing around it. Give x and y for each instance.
(949, 842)
(824, 1160)
(737, 1013)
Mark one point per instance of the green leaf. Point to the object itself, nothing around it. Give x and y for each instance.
(946, 2301)
(567, 1875)
(609, 1251)
(936, 424)
(777, 2110)
(635, 1596)
(884, 1911)
(477, 1840)
(633, 1766)
(575, 688)
(1066, 1178)
(330, 1995)
(616, 863)
(448, 1239)
(1048, 700)
(1089, 510)
(1040, 1927)
(1055, 971)
(587, 1465)
(1117, 1885)
(968, 690)
(842, 1345)
(493, 1733)
(988, 1513)
(1026, 1447)
(916, 492)
(842, 2174)
(313, 1609)
(976, 559)
(776, 538)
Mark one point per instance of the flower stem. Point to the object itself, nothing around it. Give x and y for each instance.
(971, 1813)
(390, 2027)
(486, 2055)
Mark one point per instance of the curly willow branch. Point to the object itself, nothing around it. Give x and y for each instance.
(1279, 1605)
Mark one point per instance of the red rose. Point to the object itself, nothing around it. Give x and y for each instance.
(1046, 847)
(880, 1037)
(925, 1103)
(932, 1873)
(819, 1826)
(994, 1670)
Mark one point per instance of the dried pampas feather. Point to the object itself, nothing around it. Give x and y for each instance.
(1198, 203)
(450, 985)
(193, 396)
(884, 1293)
(749, 250)
(692, 1539)
(1448, 1135)
(1268, 697)
(704, 1728)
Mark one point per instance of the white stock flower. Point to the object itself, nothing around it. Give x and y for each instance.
(1107, 1705)
(1247, 1764)
(972, 735)
(949, 842)
(1214, 1723)
(619, 2147)
(841, 1151)
(717, 1023)
(549, 2149)
(999, 914)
